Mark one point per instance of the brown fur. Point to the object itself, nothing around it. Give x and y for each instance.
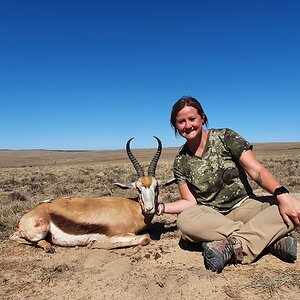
(146, 181)
(111, 215)
(75, 228)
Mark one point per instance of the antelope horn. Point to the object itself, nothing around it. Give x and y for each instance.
(134, 161)
(153, 164)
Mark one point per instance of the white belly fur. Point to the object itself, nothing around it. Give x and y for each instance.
(61, 238)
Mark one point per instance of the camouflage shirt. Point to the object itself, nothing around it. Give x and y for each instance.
(216, 179)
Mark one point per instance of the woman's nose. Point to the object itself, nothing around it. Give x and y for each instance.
(188, 124)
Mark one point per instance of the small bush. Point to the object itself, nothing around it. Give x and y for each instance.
(16, 196)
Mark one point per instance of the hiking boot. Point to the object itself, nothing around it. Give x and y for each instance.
(218, 254)
(285, 249)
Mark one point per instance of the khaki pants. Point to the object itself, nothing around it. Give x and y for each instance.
(254, 224)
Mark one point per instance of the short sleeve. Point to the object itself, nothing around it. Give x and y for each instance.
(236, 144)
(178, 170)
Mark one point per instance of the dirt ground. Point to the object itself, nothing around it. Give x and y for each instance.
(167, 268)
(164, 269)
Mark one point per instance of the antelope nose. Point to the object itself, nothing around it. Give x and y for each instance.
(149, 210)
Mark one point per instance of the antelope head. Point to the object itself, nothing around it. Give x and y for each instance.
(146, 185)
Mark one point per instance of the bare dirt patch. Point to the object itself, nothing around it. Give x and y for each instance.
(164, 269)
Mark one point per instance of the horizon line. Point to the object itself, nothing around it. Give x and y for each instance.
(91, 150)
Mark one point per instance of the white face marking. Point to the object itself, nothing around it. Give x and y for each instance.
(149, 196)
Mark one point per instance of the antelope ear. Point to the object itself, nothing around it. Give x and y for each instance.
(124, 186)
(166, 183)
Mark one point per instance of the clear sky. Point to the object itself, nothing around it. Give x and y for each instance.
(91, 74)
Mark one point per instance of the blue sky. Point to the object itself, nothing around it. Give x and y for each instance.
(91, 74)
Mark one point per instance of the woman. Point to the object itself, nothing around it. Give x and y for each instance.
(217, 205)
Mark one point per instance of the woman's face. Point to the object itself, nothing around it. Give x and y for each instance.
(189, 122)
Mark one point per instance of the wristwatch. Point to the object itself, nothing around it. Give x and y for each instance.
(280, 190)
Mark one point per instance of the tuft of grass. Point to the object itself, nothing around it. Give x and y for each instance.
(270, 286)
(16, 196)
(48, 274)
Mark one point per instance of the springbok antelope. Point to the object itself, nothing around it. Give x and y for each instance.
(103, 222)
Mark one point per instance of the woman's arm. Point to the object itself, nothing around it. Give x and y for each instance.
(187, 200)
(289, 207)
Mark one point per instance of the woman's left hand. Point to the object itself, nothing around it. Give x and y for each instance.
(289, 208)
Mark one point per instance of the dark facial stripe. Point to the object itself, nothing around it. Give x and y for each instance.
(71, 227)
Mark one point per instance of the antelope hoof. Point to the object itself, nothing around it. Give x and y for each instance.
(144, 241)
(50, 251)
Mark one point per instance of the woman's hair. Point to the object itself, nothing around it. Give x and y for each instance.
(180, 104)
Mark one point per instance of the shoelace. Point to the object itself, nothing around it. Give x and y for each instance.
(228, 253)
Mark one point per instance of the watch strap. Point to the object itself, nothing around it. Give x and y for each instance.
(280, 190)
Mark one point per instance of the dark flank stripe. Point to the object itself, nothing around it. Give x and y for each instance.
(71, 227)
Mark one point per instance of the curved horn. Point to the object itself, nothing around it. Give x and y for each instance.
(134, 161)
(153, 164)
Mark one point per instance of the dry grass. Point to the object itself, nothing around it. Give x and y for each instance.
(30, 176)
(164, 269)
(49, 274)
(272, 286)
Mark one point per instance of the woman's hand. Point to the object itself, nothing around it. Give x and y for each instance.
(289, 208)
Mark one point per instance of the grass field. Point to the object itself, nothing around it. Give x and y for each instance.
(30, 176)
(161, 270)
